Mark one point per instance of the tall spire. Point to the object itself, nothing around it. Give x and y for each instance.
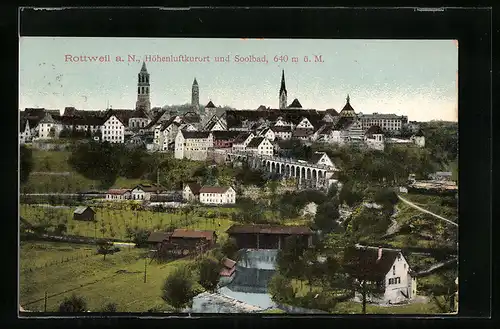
(143, 69)
(347, 99)
(283, 87)
(195, 82)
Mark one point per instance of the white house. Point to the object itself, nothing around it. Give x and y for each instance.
(118, 194)
(268, 133)
(374, 138)
(418, 139)
(241, 141)
(217, 195)
(305, 124)
(191, 192)
(143, 191)
(261, 146)
(46, 125)
(385, 267)
(113, 130)
(282, 132)
(193, 145)
(321, 158)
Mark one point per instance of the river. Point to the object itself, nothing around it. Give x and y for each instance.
(247, 292)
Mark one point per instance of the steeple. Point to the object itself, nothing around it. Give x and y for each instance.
(195, 96)
(143, 90)
(283, 87)
(283, 92)
(347, 99)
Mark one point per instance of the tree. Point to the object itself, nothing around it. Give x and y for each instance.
(25, 163)
(104, 247)
(60, 229)
(73, 304)
(97, 161)
(229, 248)
(326, 217)
(52, 132)
(110, 308)
(178, 290)
(289, 258)
(209, 273)
(281, 289)
(350, 195)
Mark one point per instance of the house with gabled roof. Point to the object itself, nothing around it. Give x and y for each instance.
(84, 213)
(321, 158)
(144, 191)
(113, 129)
(385, 268)
(261, 146)
(24, 131)
(241, 141)
(191, 192)
(268, 133)
(212, 195)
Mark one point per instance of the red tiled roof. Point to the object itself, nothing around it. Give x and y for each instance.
(184, 233)
(213, 189)
(229, 263)
(227, 271)
(269, 229)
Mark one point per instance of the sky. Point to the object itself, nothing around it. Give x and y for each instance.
(417, 78)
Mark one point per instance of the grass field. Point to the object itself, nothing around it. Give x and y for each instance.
(355, 308)
(113, 223)
(94, 278)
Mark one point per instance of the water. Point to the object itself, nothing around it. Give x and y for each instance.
(248, 290)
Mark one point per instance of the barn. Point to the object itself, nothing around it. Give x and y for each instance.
(84, 213)
(265, 236)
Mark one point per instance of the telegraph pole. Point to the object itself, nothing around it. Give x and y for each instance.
(45, 302)
(145, 268)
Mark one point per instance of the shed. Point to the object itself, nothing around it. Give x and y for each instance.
(84, 213)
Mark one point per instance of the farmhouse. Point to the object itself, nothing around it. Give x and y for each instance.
(264, 236)
(84, 213)
(217, 195)
(118, 194)
(191, 192)
(387, 268)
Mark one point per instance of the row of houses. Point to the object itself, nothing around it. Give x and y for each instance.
(161, 128)
(192, 192)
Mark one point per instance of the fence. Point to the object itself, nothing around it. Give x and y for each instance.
(63, 259)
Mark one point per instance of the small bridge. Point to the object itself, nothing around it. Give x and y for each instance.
(308, 175)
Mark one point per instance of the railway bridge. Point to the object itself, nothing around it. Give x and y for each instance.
(307, 175)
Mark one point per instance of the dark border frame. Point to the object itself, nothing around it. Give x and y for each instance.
(471, 27)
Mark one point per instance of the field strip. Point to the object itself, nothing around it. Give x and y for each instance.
(72, 289)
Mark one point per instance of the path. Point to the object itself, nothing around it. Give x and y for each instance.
(425, 211)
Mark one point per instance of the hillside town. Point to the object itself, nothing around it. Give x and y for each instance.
(251, 239)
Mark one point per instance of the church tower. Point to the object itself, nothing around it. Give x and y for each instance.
(143, 90)
(283, 92)
(195, 96)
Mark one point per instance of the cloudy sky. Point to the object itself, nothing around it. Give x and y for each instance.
(406, 77)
